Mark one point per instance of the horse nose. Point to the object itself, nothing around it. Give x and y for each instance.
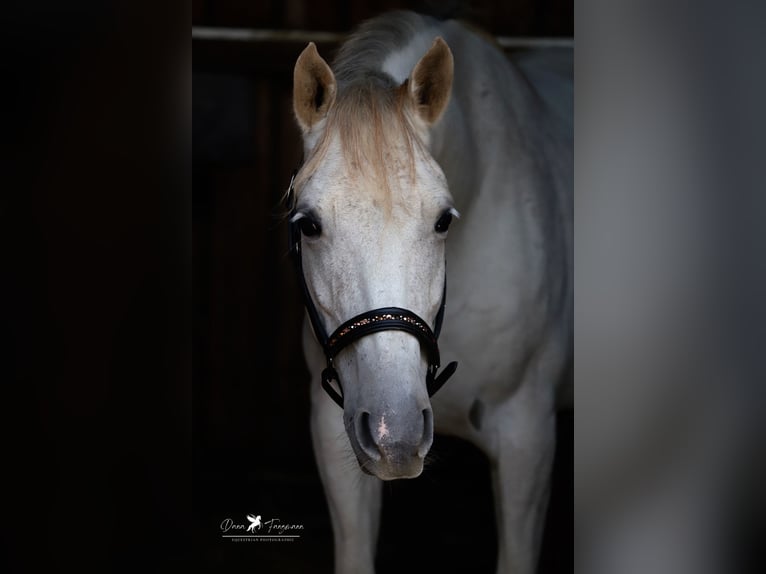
(395, 438)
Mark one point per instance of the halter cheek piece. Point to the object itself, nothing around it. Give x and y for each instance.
(383, 319)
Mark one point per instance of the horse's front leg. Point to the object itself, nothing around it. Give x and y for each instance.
(522, 447)
(353, 497)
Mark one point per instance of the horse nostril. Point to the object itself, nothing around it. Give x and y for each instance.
(428, 433)
(364, 435)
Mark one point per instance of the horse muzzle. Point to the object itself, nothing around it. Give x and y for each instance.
(391, 444)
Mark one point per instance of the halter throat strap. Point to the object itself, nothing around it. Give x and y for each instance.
(367, 323)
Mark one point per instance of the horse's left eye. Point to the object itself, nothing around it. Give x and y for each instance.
(442, 224)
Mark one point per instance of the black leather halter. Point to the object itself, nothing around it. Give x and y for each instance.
(383, 319)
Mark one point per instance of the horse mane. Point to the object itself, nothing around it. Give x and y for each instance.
(373, 41)
(372, 114)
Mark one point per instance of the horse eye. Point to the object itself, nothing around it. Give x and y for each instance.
(309, 227)
(442, 224)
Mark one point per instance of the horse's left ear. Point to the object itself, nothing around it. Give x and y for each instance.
(430, 83)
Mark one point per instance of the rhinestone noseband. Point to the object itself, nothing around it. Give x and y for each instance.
(383, 319)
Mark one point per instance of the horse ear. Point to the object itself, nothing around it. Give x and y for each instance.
(430, 83)
(313, 88)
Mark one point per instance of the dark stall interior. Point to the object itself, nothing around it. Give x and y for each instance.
(252, 447)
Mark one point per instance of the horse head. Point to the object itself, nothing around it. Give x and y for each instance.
(373, 209)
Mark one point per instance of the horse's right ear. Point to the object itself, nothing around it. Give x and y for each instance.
(314, 88)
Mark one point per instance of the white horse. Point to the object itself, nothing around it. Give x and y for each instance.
(397, 140)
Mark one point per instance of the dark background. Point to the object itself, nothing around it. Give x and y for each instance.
(95, 322)
(252, 449)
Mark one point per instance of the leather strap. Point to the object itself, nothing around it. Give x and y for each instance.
(384, 319)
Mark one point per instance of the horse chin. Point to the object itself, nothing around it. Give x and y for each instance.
(387, 470)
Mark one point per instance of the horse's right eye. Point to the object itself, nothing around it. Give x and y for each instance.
(309, 226)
